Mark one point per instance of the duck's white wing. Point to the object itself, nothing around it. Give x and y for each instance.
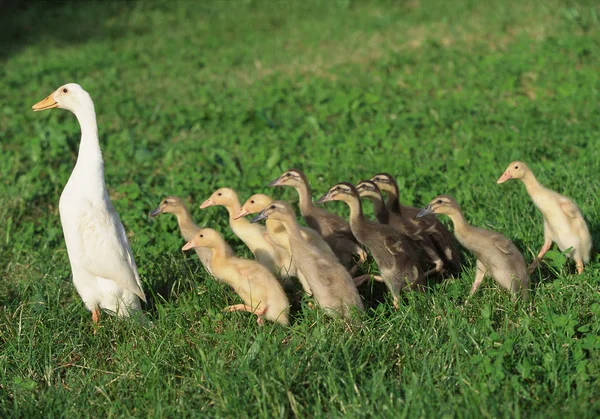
(105, 250)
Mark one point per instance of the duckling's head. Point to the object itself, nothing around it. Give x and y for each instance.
(292, 177)
(515, 170)
(276, 210)
(206, 237)
(342, 191)
(368, 189)
(70, 96)
(223, 196)
(443, 204)
(171, 204)
(254, 204)
(385, 182)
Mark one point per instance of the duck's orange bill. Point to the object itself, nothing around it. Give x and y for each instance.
(505, 176)
(47, 103)
(189, 245)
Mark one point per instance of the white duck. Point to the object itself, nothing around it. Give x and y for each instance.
(563, 222)
(104, 271)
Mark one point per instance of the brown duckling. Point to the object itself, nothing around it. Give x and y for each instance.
(429, 254)
(252, 235)
(176, 206)
(563, 221)
(496, 255)
(441, 237)
(330, 282)
(259, 289)
(332, 227)
(391, 249)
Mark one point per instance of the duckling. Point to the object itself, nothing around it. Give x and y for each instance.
(496, 255)
(429, 254)
(391, 249)
(563, 221)
(279, 237)
(330, 282)
(251, 234)
(332, 227)
(276, 233)
(187, 227)
(259, 289)
(441, 237)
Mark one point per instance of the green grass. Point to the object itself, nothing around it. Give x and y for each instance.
(191, 97)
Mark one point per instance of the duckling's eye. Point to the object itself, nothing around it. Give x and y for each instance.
(288, 174)
(201, 235)
(65, 90)
(439, 201)
(516, 167)
(272, 206)
(252, 201)
(219, 194)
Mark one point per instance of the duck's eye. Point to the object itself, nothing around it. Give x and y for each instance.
(287, 175)
(219, 194)
(201, 235)
(439, 201)
(516, 167)
(252, 201)
(65, 90)
(272, 206)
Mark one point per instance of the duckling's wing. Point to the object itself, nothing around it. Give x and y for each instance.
(568, 207)
(105, 250)
(394, 245)
(503, 244)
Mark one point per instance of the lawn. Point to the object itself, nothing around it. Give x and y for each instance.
(192, 96)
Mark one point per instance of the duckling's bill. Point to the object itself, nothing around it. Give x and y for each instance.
(155, 212)
(189, 245)
(325, 198)
(505, 176)
(47, 103)
(276, 182)
(425, 211)
(259, 217)
(243, 212)
(208, 203)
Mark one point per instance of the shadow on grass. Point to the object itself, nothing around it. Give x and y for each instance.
(28, 22)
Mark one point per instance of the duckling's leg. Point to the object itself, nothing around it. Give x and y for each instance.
(238, 307)
(359, 280)
(481, 270)
(538, 259)
(437, 268)
(579, 264)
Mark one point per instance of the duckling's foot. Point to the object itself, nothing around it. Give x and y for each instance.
(378, 278)
(359, 280)
(579, 265)
(396, 302)
(437, 268)
(260, 321)
(238, 307)
(533, 267)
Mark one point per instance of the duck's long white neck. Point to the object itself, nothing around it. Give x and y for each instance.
(90, 155)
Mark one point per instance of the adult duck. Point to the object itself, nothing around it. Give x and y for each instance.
(104, 271)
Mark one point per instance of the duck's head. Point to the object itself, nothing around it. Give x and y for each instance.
(385, 182)
(276, 210)
(342, 191)
(223, 196)
(171, 204)
(256, 203)
(71, 96)
(206, 237)
(292, 177)
(443, 204)
(368, 189)
(515, 170)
